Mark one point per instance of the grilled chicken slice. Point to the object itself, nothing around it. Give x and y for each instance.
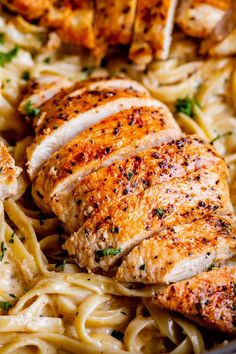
(73, 19)
(197, 18)
(152, 30)
(180, 252)
(30, 9)
(65, 115)
(8, 173)
(125, 224)
(113, 24)
(209, 299)
(225, 47)
(117, 137)
(135, 174)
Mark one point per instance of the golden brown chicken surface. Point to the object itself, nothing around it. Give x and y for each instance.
(8, 173)
(209, 298)
(145, 27)
(142, 201)
(180, 252)
(115, 138)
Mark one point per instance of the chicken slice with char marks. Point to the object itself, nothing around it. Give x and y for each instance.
(125, 224)
(137, 173)
(62, 120)
(198, 18)
(114, 22)
(30, 9)
(180, 252)
(117, 137)
(208, 298)
(8, 173)
(152, 30)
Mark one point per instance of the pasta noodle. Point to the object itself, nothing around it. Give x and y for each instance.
(47, 304)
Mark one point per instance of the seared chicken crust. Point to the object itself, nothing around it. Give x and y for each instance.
(8, 173)
(180, 252)
(209, 298)
(117, 137)
(135, 174)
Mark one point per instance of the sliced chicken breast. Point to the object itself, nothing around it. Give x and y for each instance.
(198, 18)
(209, 298)
(152, 30)
(104, 238)
(180, 252)
(73, 19)
(30, 9)
(8, 173)
(61, 120)
(225, 47)
(113, 24)
(135, 174)
(117, 137)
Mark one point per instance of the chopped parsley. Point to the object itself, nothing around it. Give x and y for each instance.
(13, 296)
(26, 289)
(2, 35)
(5, 305)
(3, 250)
(117, 334)
(142, 267)
(219, 136)
(130, 175)
(12, 238)
(186, 105)
(25, 75)
(108, 252)
(211, 266)
(61, 265)
(159, 212)
(47, 60)
(114, 229)
(86, 72)
(30, 110)
(7, 57)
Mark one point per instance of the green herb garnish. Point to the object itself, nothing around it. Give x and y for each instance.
(159, 212)
(211, 266)
(130, 175)
(61, 265)
(219, 136)
(3, 250)
(5, 305)
(47, 60)
(13, 296)
(25, 75)
(108, 252)
(2, 35)
(186, 105)
(12, 238)
(7, 57)
(30, 110)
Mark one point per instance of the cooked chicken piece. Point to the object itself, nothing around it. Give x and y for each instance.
(113, 24)
(42, 89)
(117, 137)
(123, 225)
(226, 47)
(180, 252)
(64, 116)
(135, 174)
(30, 9)
(8, 173)
(197, 18)
(209, 298)
(152, 30)
(221, 41)
(73, 19)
